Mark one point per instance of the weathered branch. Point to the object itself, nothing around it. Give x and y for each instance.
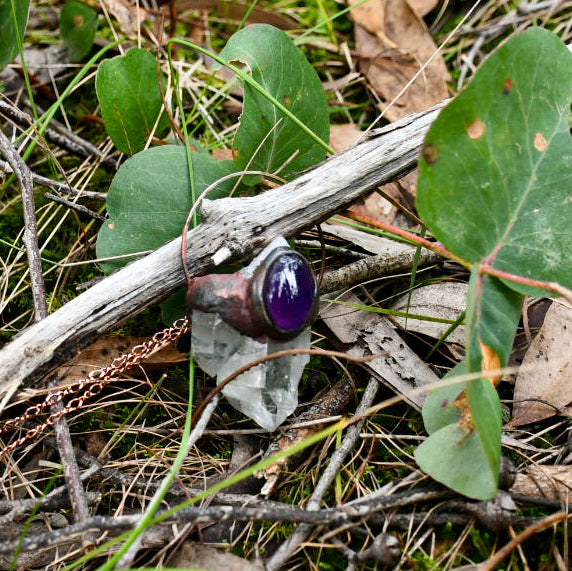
(331, 516)
(241, 225)
(65, 448)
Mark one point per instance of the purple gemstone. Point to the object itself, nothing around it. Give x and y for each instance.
(289, 291)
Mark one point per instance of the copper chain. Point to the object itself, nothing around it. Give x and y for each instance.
(95, 382)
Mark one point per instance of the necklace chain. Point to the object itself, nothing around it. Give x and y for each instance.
(95, 382)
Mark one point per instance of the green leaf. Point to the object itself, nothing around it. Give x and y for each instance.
(150, 198)
(492, 318)
(496, 167)
(131, 101)
(12, 31)
(439, 408)
(495, 189)
(456, 458)
(493, 315)
(78, 24)
(266, 138)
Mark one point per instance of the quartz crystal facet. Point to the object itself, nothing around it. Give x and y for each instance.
(267, 393)
(283, 294)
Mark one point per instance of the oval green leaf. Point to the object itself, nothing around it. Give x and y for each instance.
(266, 138)
(496, 169)
(78, 24)
(457, 459)
(131, 101)
(13, 20)
(150, 198)
(439, 408)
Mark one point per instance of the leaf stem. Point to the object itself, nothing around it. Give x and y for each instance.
(552, 287)
(418, 240)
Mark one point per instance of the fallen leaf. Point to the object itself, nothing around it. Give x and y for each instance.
(394, 44)
(369, 242)
(552, 384)
(368, 333)
(102, 352)
(128, 17)
(445, 300)
(547, 482)
(344, 136)
(237, 10)
(197, 556)
(376, 206)
(423, 7)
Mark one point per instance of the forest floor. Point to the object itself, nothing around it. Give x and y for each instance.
(353, 496)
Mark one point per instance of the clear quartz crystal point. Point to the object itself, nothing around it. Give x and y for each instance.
(267, 393)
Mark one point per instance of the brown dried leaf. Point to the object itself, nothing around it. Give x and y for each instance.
(237, 10)
(553, 384)
(104, 350)
(344, 136)
(394, 44)
(423, 7)
(547, 482)
(375, 206)
(198, 556)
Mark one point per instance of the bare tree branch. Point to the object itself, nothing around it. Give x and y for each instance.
(65, 447)
(331, 516)
(237, 226)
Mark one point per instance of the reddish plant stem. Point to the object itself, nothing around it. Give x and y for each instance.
(552, 287)
(423, 242)
(485, 268)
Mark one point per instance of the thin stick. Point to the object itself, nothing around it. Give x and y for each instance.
(74, 206)
(31, 227)
(492, 563)
(61, 137)
(302, 532)
(59, 186)
(65, 447)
